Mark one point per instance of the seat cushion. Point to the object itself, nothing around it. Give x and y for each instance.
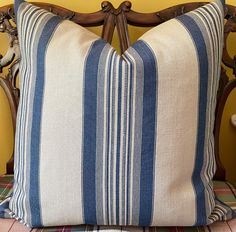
(6, 184)
(224, 191)
(6, 188)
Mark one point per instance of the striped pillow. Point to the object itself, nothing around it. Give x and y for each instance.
(117, 140)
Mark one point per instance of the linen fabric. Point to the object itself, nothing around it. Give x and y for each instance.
(131, 136)
(223, 190)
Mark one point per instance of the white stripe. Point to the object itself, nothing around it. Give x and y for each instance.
(63, 112)
(116, 78)
(129, 79)
(106, 89)
(110, 156)
(176, 136)
(133, 116)
(122, 143)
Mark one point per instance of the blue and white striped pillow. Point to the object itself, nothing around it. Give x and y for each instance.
(117, 140)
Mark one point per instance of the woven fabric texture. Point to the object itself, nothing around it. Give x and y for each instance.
(114, 129)
(224, 191)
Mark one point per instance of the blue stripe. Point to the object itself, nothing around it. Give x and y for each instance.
(16, 5)
(4, 207)
(128, 219)
(118, 144)
(109, 131)
(198, 39)
(148, 132)
(89, 134)
(223, 2)
(36, 121)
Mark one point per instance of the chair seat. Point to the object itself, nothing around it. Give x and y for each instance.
(225, 191)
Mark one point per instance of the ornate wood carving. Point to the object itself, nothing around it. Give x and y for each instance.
(225, 86)
(10, 61)
(230, 26)
(109, 18)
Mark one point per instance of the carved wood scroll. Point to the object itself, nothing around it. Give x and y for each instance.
(109, 18)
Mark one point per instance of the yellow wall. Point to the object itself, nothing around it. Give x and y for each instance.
(6, 132)
(228, 133)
